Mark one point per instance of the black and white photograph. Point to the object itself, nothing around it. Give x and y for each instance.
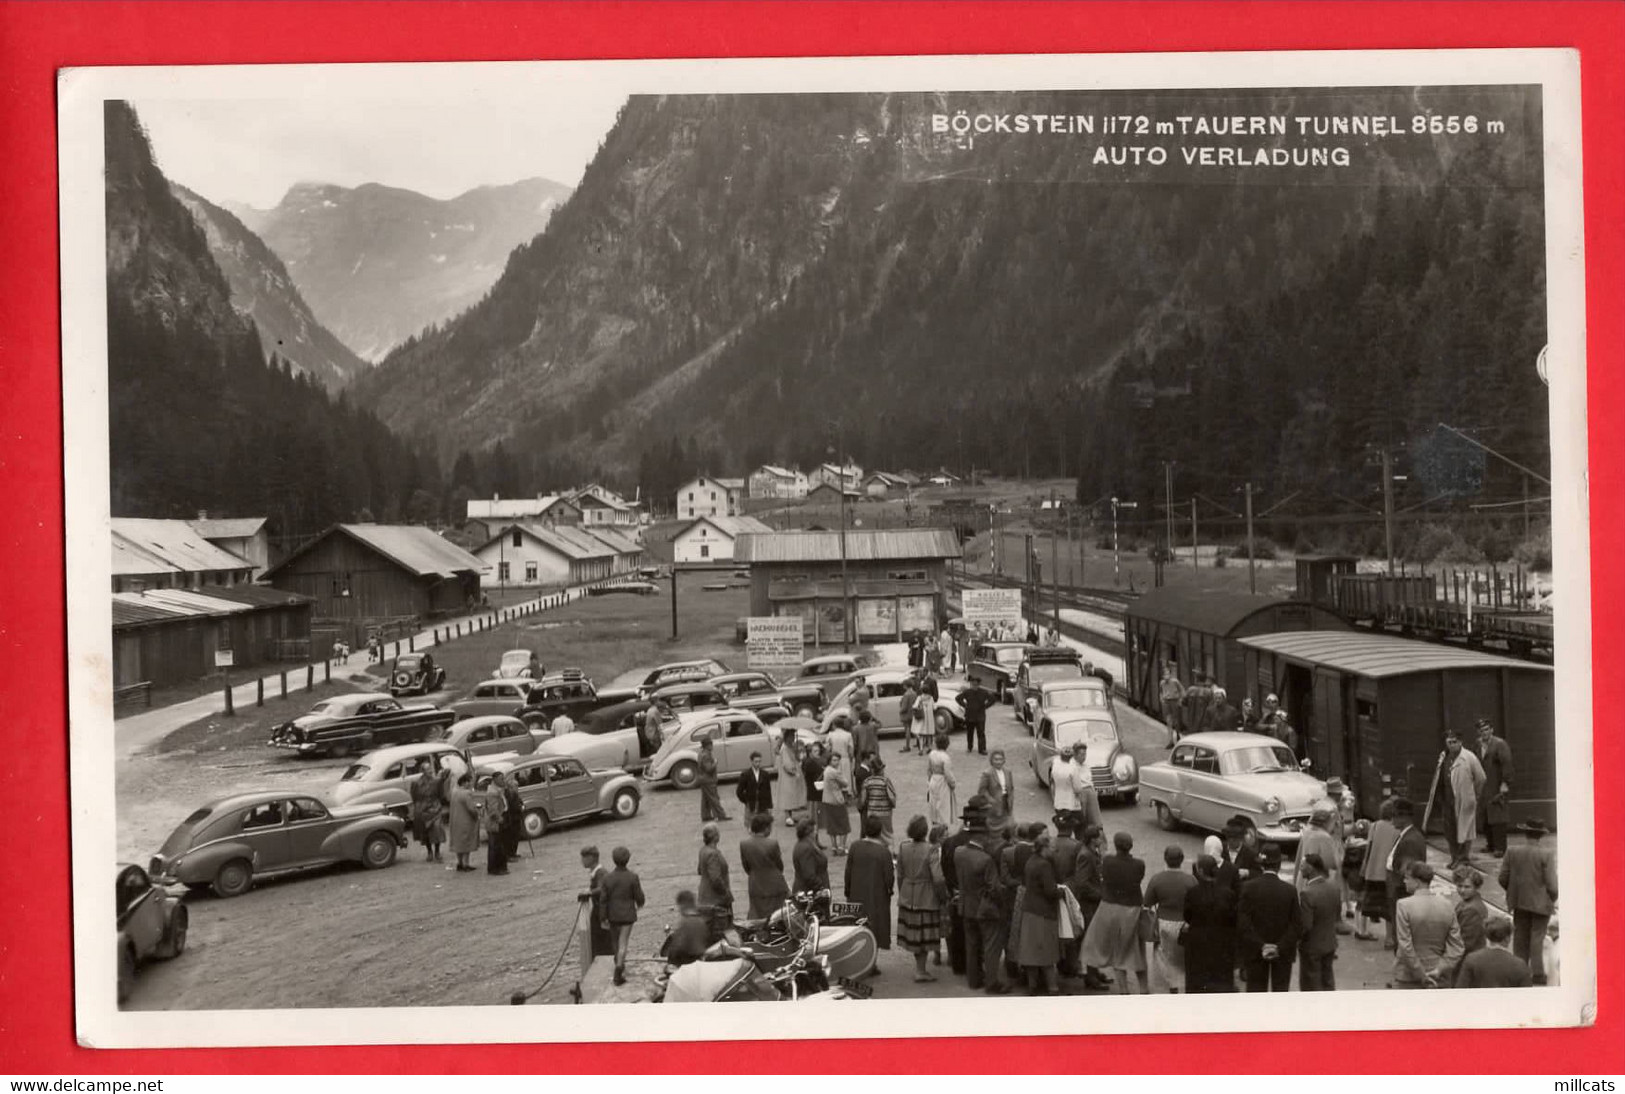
(1052, 539)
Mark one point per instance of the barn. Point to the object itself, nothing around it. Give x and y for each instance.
(169, 636)
(1196, 630)
(1374, 708)
(368, 573)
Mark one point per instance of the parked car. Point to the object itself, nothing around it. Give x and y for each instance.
(680, 672)
(556, 789)
(495, 735)
(735, 734)
(1113, 770)
(640, 588)
(1211, 777)
(1042, 666)
(151, 924)
(885, 695)
(416, 674)
(831, 672)
(520, 665)
(228, 843)
(993, 665)
(701, 695)
(606, 739)
(569, 692)
(1083, 693)
(758, 690)
(385, 777)
(344, 725)
(495, 696)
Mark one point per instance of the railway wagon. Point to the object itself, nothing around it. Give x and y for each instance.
(1199, 631)
(1373, 708)
(1379, 598)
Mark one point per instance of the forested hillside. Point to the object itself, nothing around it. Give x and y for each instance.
(199, 418)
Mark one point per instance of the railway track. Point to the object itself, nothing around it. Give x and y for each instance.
(1104, 602)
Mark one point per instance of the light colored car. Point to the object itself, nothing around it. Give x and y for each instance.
(1211, 777)
(495, 736)
(494, 696)
(1113, 771)
(734, 734)
(556, 789)
(385, 777)
(519, 665)
(229, 842)
(1078, 693)
(885, 696)
(1043, 666)
(993, 665)
(151, 923)
(607, 739)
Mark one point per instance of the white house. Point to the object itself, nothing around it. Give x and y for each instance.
(711, 539)
(487, 516)
(771, 481)
(602, 506)
(708, 497)
(536, 556)
(829, 474)
(883, 484)
(245, 537)
(172, 554)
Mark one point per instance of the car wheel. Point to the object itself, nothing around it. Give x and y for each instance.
(234, 879)
(126, 972)
(945, 721)
(534, 824)
(685, 775)
(1165, 818)
(379, 851)
(175, 944)
(625, 805)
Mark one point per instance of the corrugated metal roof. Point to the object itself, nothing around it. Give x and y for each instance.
(585, 541)
(1378, 655)
(161, 605)
(1208, 612)
(412, 547)
(510, 508)
(130, 610)
(194, 602)
(617, 541)
(128, 558)
(861, 546)
(175, 543)
(728, 526)
(259, 596)
(228, 528)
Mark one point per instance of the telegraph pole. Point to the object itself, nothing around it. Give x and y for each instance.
(846, 586)
(1194, 564)
(1055, 576)
(1388, 506)
(1168, 502)
(1252, 575)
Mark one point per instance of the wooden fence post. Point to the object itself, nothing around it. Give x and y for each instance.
(327, 672)
(411, 642)
(259, 692)
(310, 676)
(283, 675)
(229, 709)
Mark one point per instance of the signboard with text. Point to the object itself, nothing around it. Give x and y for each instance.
(991, 605)
(774, 642)
(222, 659)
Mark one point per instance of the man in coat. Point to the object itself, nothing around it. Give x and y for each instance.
(1409, 846)
(1221, 714)
(710, 805)
(1529, 877)
(1460, 779)
(1322, 910)
(1495, 757)
(715, 891)
(1429, 937)
(871, 878)
(1269, 920)
(975, 700)
(998, 787)
(763, 863)
(975, 807)
(755, 789)
(1494, 966)
(981, 910)
(1317, 839)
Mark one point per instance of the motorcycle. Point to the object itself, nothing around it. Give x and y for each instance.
(755, 971)
(841, 932)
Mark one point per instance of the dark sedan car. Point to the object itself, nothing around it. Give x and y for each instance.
(151, 923)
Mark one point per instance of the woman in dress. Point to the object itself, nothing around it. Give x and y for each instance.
(925, 718)
(837, 787)
(465, 822)
(1039, 948)
(792, 786)
(429, 810)
(920, 892)
(1374, 876)
(940, 805)
(1113, 938)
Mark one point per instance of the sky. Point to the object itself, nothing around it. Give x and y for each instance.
(251, 152)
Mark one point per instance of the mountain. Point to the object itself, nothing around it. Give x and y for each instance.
(378, 264)
(261, 288)
(749, 278)
(199, 417)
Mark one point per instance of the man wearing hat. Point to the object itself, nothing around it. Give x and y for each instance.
(1430, 946)
(1269, 921)
(1495, 756)
(981, 908)
(1317, 839)
(974, 808)
(1409, 846)
(1529, 876)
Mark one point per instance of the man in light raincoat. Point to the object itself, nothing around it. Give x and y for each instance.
(1461, 777)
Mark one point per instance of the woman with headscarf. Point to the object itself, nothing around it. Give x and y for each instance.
(920, 892)
(940, 805)
(465, 822)
(429, 809)
(1113, 938)
(1039, 945)
(792, 787)
(835, 791)
(1210, 932)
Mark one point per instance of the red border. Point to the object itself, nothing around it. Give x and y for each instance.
(36, 994)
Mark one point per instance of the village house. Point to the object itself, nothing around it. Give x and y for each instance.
(602, 506)
(829, 474)
(173, 554)
(539, 556)
(770, 481)
(167, 636)
(828, 494)
(712, 539)
(708, 497)
(883, 484)
(487, 515)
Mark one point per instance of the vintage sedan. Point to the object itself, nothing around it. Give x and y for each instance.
(680, 672)
(757, 691)
(228, 843)
(885, 696)
(493, 697)
(994, 665)
(495, 736)
(345, 725)
(416, 674)
(1044, 666)
(1211, 777)
(1113, 771)
(734, 734)
(1078, 693)
(519, 665)
(556, 789)
(570, 693)
(151, 923)
(831, 672)
(607, 739)
(385, 777)
(701, 695)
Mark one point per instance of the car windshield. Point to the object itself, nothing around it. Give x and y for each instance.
(1055, 670)
(1255, 759)
(324, 707)
(1072, 732)
(516, 657)
(354, 772)
(1013, 655)
(1076, 699)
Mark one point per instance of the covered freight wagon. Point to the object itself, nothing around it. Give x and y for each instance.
(1373, 708)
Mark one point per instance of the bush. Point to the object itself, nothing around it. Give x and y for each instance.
(1218, 560)
(1495, 543)
(1264, 550)
(1159, 553)
(1535, 553)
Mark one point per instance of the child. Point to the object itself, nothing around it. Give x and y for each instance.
(1552, 955)
(1471, 914)
(621, 895)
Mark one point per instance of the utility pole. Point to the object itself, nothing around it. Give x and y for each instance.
(1055, 577)
(1168, 503)
(846, 586)
(1117, 547)
(1194, 564)
(1252, 574)
(1388, 506)
(674, 575)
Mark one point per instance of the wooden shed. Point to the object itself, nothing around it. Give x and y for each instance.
(169, 636)
(1374, 708)
(362, 572)
(1197, 631)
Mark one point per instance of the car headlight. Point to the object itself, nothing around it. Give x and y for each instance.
(1125, 769)
(1273, 805)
